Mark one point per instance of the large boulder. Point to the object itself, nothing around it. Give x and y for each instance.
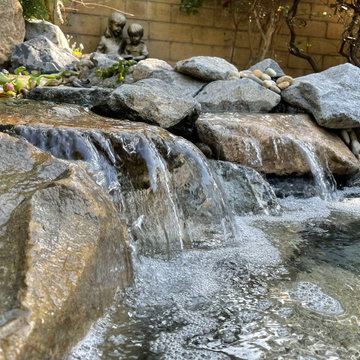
(275, 143)
(245, 190)
(237, 95)
(268, 63)
(153, 101)
(159, 69)
(64, 252)
(12, 28)
(41, 54)
(332, 96)
(35, 28)
(205, 68)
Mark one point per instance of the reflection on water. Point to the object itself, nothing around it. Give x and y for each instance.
(290, 289)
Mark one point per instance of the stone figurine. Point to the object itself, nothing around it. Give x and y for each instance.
(112, 42)
(135, 49)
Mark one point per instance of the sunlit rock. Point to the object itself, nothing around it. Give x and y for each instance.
(153, 101)
(42, 55)
(159, 69)
(35, 28)
(331, 96)
(12, 28)
(275, 143)
(237, 95)
(205, 68)
(64, 252)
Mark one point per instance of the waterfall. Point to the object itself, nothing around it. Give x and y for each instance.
(160, 183)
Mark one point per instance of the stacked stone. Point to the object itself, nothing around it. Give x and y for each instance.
(268, 79)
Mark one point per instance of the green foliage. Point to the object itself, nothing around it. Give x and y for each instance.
(120, 69)
(34, 9)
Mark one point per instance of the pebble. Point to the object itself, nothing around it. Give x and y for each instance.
(275, 89)
(268, 83)
(284, 78)
(245, 73)
(233, 75)
(257, 73)
(255, 78)
(271, 72)
(283, 85)
(345, 136)
(265, 76)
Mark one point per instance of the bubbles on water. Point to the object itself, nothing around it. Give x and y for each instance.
(314, 298)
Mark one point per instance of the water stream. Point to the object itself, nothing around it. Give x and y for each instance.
(289, 289)
(208, 284)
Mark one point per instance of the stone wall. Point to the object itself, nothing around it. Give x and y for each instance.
(172, 35)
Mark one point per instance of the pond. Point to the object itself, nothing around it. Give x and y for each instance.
(288, 288)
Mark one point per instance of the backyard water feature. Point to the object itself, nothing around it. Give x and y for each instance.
(129, 243)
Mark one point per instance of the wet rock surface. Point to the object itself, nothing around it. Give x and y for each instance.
(64, 252)
(205, 68)
(245, 190)
(153, 101)
(12, 28)
(88, 97)
(331, 96)
(275, 143)
(243, 95)
(42, 55)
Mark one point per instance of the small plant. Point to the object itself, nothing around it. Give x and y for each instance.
(120, 69)
(76, 50)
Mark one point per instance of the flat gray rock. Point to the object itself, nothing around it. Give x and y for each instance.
(159, 69)
(205, 68)
(41, 54)
(332, 96)
(153, 101)
(237, 95)
(268, 63)
(246, 191)
(91, 97)
(35, 28)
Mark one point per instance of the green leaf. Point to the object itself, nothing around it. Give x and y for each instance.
(19, 70)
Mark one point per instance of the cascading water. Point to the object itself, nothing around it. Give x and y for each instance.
(161, 183)
(263, 294)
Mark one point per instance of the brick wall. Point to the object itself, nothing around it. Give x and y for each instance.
(172, 35)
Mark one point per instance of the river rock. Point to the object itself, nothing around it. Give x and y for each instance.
(331, 96)
(88, 97)
(153, 101)
(237, 95)
(205, 68)
(159, 69)
(41, 54)
(266, 64)
(245, 189)
(63, 248)
(35, 28)
(12, 28)
(275, 143)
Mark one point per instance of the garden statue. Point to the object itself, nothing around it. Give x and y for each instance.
(135, 49)
(112, 41)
